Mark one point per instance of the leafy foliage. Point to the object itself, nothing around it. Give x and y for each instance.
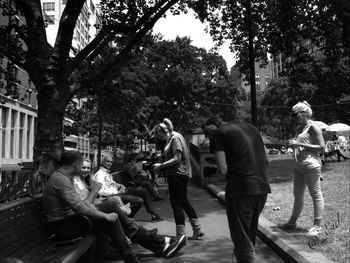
(165, 79)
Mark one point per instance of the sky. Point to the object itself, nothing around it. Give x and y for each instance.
(186, 25)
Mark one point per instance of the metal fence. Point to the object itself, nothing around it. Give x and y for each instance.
(17, 184)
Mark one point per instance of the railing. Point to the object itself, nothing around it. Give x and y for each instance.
(20, 183)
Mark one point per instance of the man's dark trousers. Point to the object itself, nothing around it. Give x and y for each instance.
(243, 214)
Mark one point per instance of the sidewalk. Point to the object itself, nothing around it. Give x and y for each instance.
(285, 245)
(216, 246)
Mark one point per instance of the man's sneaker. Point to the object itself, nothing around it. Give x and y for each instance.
(289, 225)
(175, 244)
(156, 218)
(314, 231)
(132, 259)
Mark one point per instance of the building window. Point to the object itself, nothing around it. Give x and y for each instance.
(4, 116)
(29, 124)
(12, 134)
(21, 127)
(49, 6)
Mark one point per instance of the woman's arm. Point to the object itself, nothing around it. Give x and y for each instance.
(317, 138)
(169, 163)
(94, 188)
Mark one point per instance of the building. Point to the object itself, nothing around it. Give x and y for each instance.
(18, 122)
(86, 26)
(263, 76)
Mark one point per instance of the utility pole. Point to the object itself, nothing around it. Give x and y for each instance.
(252, 66)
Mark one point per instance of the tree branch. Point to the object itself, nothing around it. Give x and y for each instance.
(66, 28)
(151, 11)
(102, 39)
(14, 60)
(88, 49)
(36, 34)
(147, 27)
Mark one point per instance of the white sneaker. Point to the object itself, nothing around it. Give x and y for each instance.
(314, 231)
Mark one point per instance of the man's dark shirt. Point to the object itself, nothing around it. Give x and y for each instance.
(245, 157)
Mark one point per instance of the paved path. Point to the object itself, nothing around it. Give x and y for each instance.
(216, 245)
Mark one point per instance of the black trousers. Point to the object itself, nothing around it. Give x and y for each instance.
(178, 199)
(138, 196)
(243, 215)
(73, 227)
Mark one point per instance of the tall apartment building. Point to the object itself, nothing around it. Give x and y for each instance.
(18, 117)
(85, 27)
(263, 76)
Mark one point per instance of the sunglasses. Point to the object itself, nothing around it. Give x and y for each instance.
(296, 113)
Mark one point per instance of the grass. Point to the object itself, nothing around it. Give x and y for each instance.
(334, 241)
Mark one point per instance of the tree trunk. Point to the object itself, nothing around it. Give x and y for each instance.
(49, 140)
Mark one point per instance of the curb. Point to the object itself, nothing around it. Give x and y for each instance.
(286, 246)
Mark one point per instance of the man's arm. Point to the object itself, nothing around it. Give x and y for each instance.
(220, 158)
(65, 189)
(267, 158)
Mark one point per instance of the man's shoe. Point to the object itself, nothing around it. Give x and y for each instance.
(151, 232)
(132, 259)
(289, 225)
(156, 218)
(175, 244)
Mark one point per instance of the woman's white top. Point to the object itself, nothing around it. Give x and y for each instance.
(304, 157)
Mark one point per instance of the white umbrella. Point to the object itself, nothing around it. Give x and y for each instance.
(321, 124)
(338, 127)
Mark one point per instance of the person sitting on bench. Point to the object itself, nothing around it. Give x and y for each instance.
(62, 205)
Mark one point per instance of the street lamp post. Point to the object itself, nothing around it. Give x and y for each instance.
(252, 66)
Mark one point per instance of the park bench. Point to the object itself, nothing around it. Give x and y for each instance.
(24, 236)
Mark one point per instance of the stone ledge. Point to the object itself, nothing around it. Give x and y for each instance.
(286, 246)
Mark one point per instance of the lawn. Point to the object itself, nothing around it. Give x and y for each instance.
(334, 241)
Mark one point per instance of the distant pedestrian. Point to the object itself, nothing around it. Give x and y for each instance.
(241, 157)
(178, 172)
(307, 147)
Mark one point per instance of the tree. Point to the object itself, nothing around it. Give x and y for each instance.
(186, 84)
(167, 79)
(55, 74)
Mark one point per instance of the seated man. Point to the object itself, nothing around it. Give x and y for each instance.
(332, 150)
(135, 196)
(139, 176)
(63, 204)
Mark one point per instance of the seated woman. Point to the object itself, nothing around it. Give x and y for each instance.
(82, 188)
(161, 245)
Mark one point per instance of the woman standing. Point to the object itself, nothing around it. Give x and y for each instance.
(178, 172)
(307, 147)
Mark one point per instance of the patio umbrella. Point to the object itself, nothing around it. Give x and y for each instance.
(321, 124)
(338, 127)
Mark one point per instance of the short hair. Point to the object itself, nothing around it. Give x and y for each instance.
(302, 106)
(71, 157)
(106, 156)
(87, 161)
(217, 120)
